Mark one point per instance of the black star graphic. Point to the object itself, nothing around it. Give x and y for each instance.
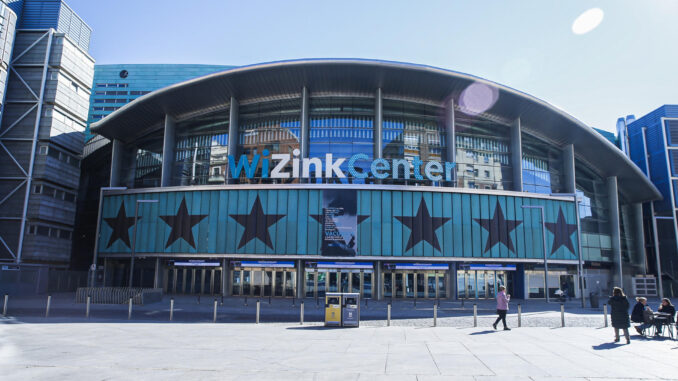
(256, 224)
(423, 227)
(182, 225)
(120, 225)
(499, 228)
(561, 232)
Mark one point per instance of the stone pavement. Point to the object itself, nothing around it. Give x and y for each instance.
(44, 349)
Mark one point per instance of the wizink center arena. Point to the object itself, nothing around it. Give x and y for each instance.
(394, 180)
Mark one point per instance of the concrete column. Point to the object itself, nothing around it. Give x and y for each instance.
(378, 125)
(613, 207)
(452, 282)
(517, 156)
(377, 282)
(117, 154)
(156, 274)
(232, 135)
(304, 122)
(450, 135)
(640, 235)
(168, 146)
(300, 278)
(568, 169)
(225, 277)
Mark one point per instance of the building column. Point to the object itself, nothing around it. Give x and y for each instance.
(452, 282)
(377, 282)
(517, 156)
(613, 207)
(300, 278)
(168, 146)
(156, 274)
(450, 135)
(225, 277)
(116, 162)
(232, 136)
(378, 124)
(568, 169)
(640, 235)
(304, 123)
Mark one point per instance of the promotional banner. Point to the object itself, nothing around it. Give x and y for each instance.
(340, 223)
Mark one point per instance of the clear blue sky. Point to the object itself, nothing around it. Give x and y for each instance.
(627, 65)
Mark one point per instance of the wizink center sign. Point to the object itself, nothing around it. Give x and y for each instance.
(277, 166)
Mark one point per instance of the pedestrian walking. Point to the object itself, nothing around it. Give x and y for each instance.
(619, 314)
(502, 308)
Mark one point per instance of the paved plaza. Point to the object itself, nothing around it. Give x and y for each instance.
(151, 347)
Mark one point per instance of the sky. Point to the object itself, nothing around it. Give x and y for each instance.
(628, 64)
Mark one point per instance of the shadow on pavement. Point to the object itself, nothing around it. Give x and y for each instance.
(482, 332)
(604, 346)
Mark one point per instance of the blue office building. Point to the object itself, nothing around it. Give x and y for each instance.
(653, 147)
(116, 85)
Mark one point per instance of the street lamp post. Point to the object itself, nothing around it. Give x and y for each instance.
(543, 237)
(134, 237)
(93, 268)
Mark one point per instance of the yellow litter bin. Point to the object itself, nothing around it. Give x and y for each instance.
(333, 309)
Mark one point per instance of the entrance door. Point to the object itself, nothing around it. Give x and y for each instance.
(345, 281)
(399, 285)
(420, 279)
(431, 285)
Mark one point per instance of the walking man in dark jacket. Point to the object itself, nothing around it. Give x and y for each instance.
(619, 314)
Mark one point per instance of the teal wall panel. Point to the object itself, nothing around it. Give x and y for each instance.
(449, 225)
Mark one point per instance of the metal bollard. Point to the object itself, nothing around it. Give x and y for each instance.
(222, 300)
(562, 315)
(415, 302)
(301, 313)
(258, 303)
(605, 314)
(198, 298)
(435, 315)
(365, 302)
(171, 309)
(316, 303)
(294, 299)
(129, 310)
(520, 313)
(4, 306)
(388, 315)
(245, 301)
(475, 315)
(214, 319)
(89, 299)
(49, 302)
(269, 299)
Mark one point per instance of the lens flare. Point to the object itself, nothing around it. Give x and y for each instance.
(477, 98)
(588, 21)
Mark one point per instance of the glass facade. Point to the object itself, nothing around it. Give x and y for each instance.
(342, 126)
(542, 166)
(483, 154)
(594, 214)
(412, 130)
(274, 126)
(201, 152)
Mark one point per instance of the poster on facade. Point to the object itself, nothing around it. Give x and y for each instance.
(339, 222)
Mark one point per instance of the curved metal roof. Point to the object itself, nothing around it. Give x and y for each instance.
(397, 79)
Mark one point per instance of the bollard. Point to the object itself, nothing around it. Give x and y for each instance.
(245, 301)
(301, 313)
(435, 315)
(316, 303)
(520, 312)
(293, 302)
(49, 302)
(475, 315)
(462, 302)
(214, 319)
(415, 302)
(222, 300)
(257, 321)
(605, 314)
(4, 306)
(562, 315)
(129, 310)
(198, 298)
(365, 303)
(89, 299)
(269, 299)
(388, 315)
(171, 309)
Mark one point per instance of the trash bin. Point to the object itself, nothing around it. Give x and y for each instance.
(332, 309)
(350, 310)
(593, 298)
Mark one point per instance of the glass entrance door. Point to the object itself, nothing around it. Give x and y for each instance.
(263, 282)
(319, 281)
(193, 280)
